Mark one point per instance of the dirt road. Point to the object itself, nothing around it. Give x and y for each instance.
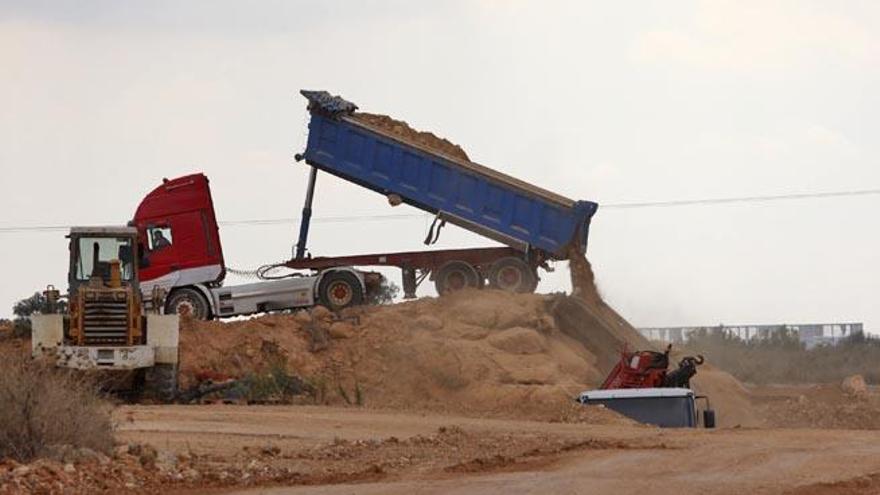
(361, 451)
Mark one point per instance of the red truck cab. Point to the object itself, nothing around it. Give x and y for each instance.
(179, 237)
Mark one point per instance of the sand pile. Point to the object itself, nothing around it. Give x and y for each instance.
(474, 352)
(404, 131)
(607, 332)
(483, 352)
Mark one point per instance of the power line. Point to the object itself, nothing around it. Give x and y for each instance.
(743, 199)
(399, 216)
(233, 223)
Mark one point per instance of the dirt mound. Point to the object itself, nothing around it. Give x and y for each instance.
(817, 406)
(729, 398)
(489, 354)
(854, 385)
(474, 352)
(404, 131)
(606, 332)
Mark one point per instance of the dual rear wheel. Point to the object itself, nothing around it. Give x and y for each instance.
(508, 274)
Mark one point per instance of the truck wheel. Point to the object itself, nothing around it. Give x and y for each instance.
(160, 382)
(456, 275)
(513, 275)
(188, 302)
(339, 290)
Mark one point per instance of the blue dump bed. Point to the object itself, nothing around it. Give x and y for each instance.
(461, 192)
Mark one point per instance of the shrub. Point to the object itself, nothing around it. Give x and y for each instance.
(780, 357)
(21, 326)
(43, 408)
(275, 384)
(384, 293)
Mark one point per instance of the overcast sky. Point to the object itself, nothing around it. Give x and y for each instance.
(607, 101)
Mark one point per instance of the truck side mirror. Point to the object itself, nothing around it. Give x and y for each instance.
(709, 418)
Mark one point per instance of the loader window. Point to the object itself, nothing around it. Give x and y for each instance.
(158, 238)
(95, 253)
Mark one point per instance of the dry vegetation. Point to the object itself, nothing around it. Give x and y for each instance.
(44, 410)
(782, 358)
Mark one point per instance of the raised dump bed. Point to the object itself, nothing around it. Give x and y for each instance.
(523, 216)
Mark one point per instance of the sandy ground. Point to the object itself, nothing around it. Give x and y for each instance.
(419, 453)
(460, 394)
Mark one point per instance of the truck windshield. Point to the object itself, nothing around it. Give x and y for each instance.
(95, 253)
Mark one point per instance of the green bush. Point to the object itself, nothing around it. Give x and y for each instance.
(37, 303)
(275, 384)
(384, 293)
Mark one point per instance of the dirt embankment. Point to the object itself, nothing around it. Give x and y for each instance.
(485, 353)
(474, 352)
(828, 406)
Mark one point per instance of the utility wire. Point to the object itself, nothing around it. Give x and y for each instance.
(402, 216)
(742, 199)
(266, 221)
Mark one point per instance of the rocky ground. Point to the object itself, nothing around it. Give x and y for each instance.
(469, 393)
(321, 449)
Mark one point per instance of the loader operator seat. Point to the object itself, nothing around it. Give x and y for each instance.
(101, 270)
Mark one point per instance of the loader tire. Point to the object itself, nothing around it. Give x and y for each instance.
(160, 382)
(188, 301)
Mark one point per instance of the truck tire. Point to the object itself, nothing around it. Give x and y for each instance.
(513, 275)
(339, 290)
(160, 382)
(188, 301)
(456, 275)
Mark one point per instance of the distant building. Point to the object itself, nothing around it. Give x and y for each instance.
(811, 334)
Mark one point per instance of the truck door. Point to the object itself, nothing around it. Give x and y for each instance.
(179, 250)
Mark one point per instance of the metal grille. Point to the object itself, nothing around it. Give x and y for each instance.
(105, 321)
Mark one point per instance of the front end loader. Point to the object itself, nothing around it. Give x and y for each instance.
(105, 326)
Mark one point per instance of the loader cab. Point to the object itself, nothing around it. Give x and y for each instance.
(95, 250)
(104, 294)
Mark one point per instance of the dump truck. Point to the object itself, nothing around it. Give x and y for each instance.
(183, 255)
(105, 326)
